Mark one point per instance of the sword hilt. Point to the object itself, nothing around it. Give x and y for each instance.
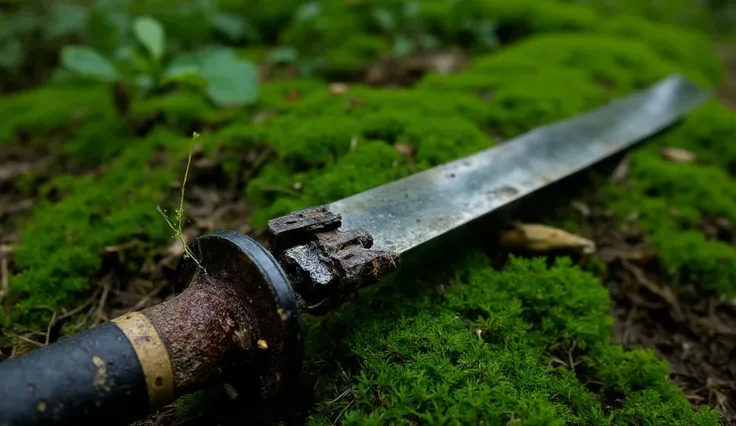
(327, 265)
(237, 321)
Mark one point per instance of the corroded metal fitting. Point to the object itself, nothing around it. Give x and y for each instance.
(326, 265)
(237, 322)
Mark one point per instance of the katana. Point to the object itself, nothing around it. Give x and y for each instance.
(238, 320)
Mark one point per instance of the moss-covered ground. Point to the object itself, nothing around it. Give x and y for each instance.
(449, 339)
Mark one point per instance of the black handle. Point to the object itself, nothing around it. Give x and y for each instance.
(237, 320)
(78, 380)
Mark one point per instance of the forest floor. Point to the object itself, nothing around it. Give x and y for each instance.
(641, 332)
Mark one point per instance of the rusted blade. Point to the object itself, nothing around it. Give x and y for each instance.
(408, 212)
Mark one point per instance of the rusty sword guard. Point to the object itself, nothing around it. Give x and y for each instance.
(237, 321)
(326, 265)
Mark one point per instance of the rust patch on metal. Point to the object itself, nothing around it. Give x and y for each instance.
(212, 329)
(206, 329)
(325, 264)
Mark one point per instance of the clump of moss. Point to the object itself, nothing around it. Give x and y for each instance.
(330, 146)
(62, 243)
(676, 13)
(184, 109)
(40, 111)
(671, 200)
(485, 350)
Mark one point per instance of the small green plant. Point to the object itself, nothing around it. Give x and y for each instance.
(226, 79)
(178, 232)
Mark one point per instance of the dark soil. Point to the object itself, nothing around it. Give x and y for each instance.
(694, 330)
(728, 92)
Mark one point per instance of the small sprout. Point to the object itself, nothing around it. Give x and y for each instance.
(178, 233)
(581, 207)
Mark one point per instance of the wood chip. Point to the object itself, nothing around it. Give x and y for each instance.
(677, 155)
(231, 392)
(405, 149)
(542, 238)
(338, 88)
(581, 207)
(622, 171)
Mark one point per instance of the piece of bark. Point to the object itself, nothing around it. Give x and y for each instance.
(542, 238)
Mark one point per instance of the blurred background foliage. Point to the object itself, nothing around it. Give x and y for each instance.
(310, 35)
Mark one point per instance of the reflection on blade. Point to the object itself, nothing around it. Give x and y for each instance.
(405, 213)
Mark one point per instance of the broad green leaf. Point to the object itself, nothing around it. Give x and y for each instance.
(403, 46)
(283, 55)
(229, 24)
(385, 19)
(142, 62)
(144, 81)
(89, 63)
(150, 33)
(11, 54)
(231, 81)
(428, 41)
(66, 19)
(308, 11)
(189, 74)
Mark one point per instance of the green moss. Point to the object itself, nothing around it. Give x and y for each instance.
(183, 110)
(63, 242)
(484, 350)
(671, 200)
(355, 54)
(521, 17)
(677, 13)
(41, 111)
(618, 64)
(681, 46)
(331, 146)
(496, 347)
(709, 132)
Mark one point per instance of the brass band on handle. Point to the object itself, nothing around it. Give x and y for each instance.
(153, 356)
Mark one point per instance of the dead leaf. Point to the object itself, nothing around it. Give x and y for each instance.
(263, 116)
(24, 345)
(338, 88)
(447, 62)
(542, 238)
(677, 155)
(621, 173)
(405, 149)
(581, 207)
(231, 392)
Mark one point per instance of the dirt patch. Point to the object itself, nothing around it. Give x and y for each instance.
(213, 202)
(694, 330)
(727, 93)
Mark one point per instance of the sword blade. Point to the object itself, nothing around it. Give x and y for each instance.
(406, 213)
